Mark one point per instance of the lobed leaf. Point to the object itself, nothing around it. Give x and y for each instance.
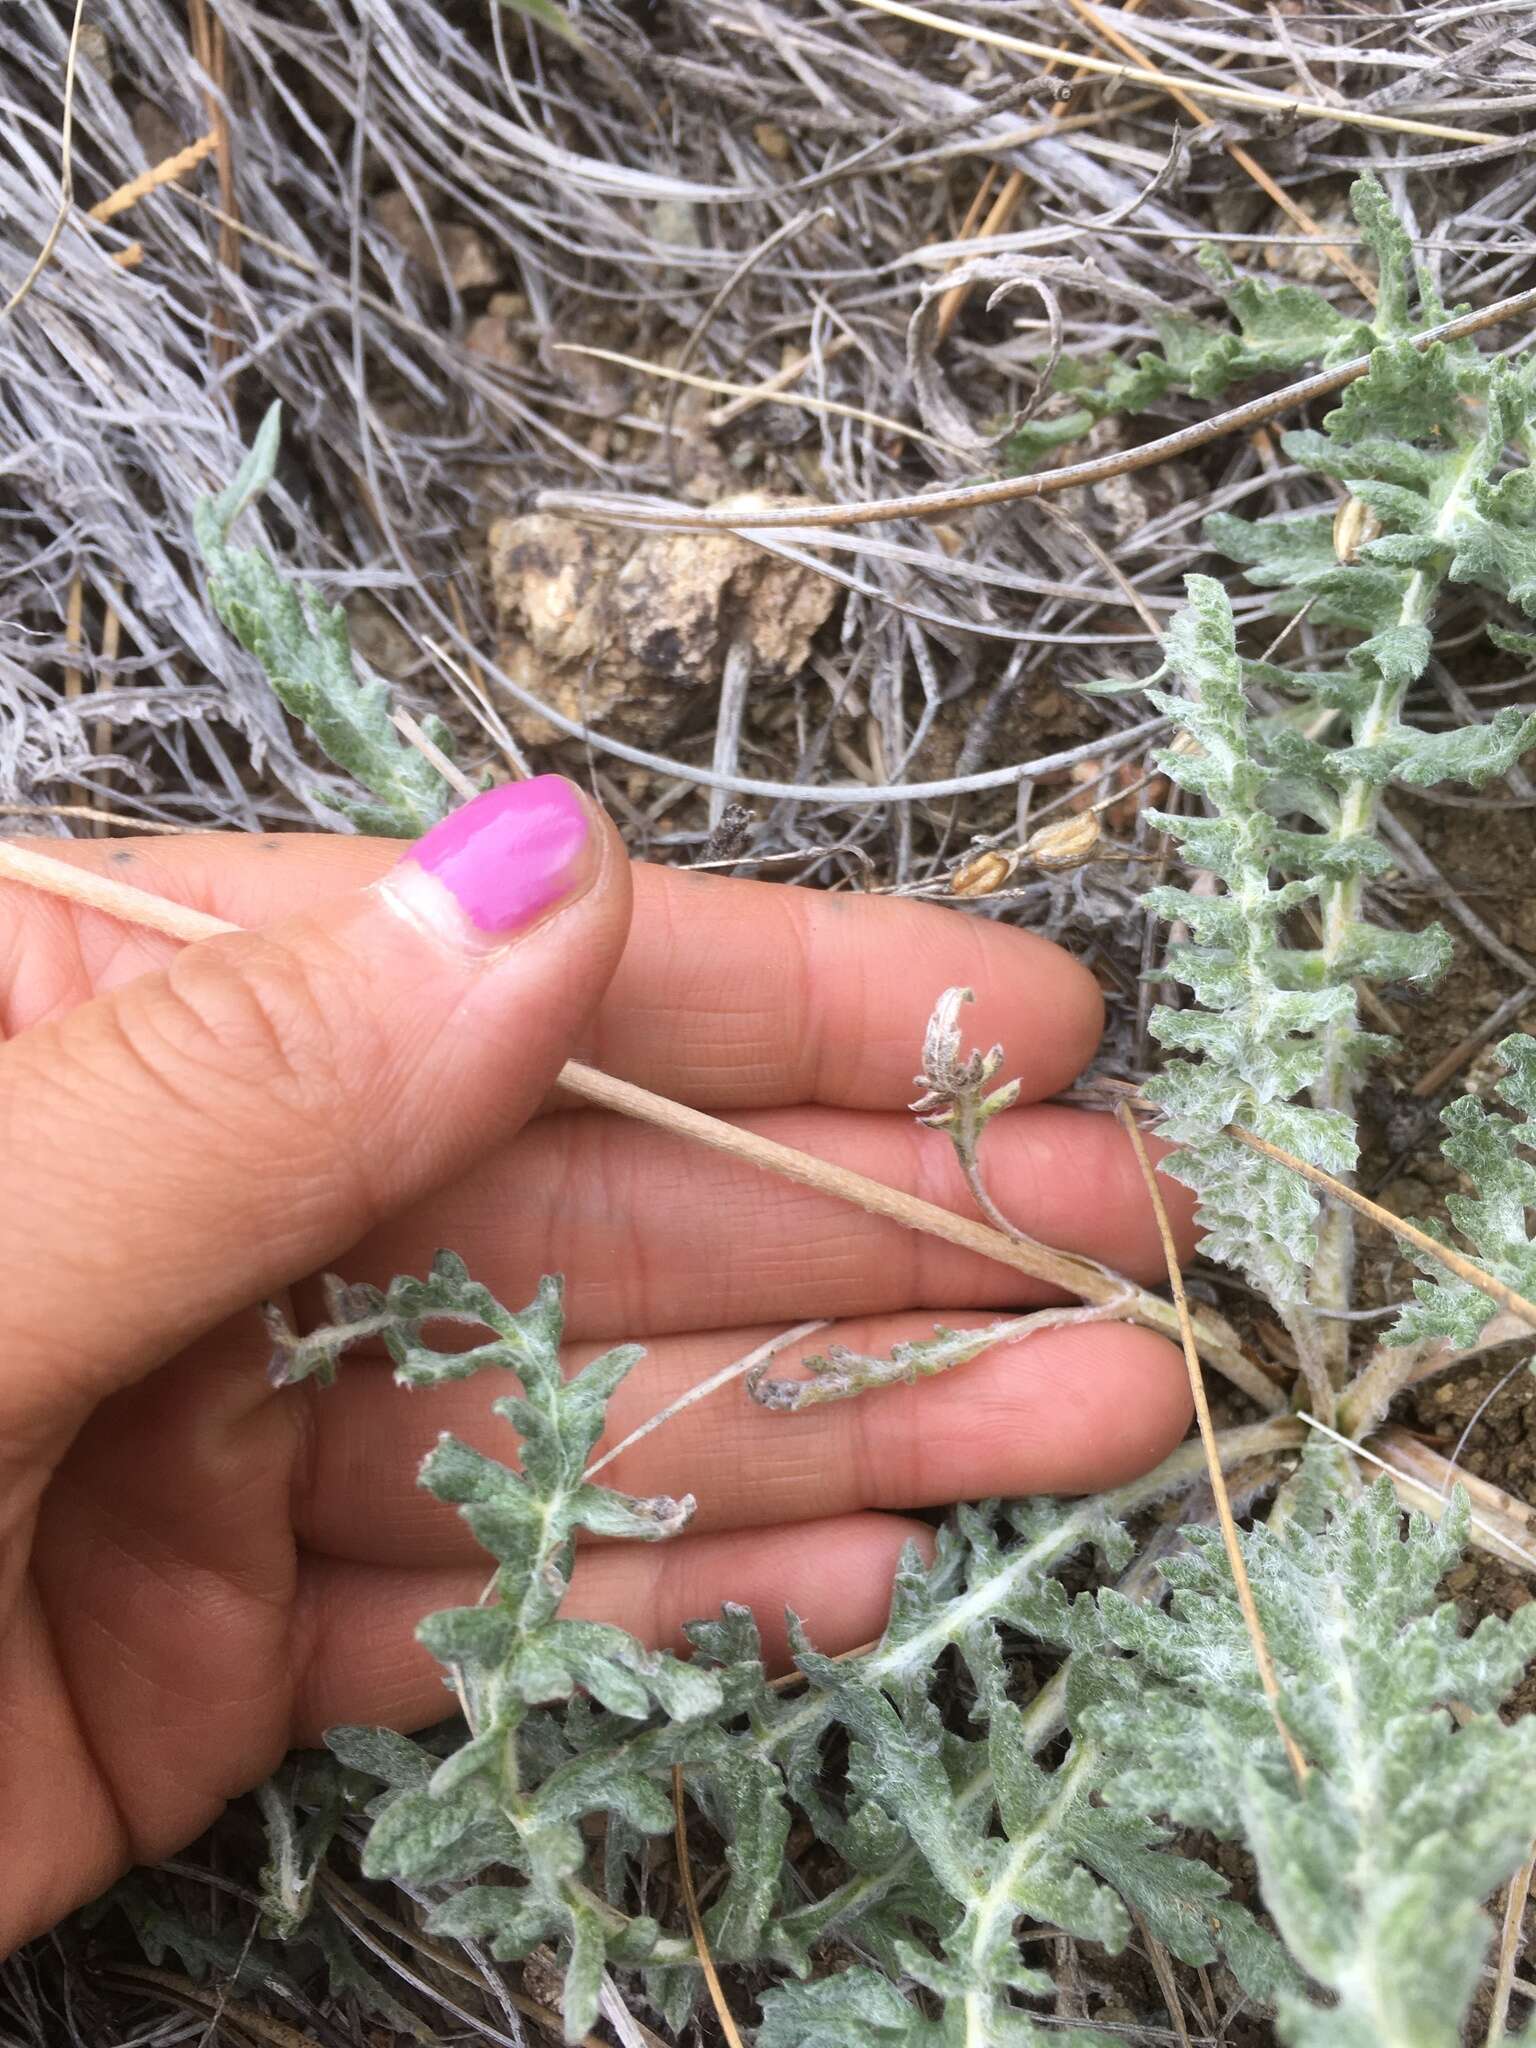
(303, 645)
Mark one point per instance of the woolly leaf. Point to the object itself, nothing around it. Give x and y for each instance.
(1375, 1871)
(303, 645)
(1498, 1156)
(855, 2005)
(1257, 1032)
(506, 1801)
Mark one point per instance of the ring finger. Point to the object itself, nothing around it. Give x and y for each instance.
(1066, 1410)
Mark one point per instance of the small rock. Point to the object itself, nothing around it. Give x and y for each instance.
(543, 1978)
(494, 336)
(600, 620)
(156, 133)
(466, 254)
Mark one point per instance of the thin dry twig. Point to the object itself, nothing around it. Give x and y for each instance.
(786, 231)
(209, 46)
(90, 812)
(354, 1909)
(723, 388)
(1423, 1479)
(182, 1990)
(1001, 211)
(1240, 156)
(1511, 1939)
(1229, 95)
(1454, 1261)
(1224, 1515)
(450, 771)
(66, 170)
(1037, 483)
(761, 394)
(695, 1923)
(1167, 1983)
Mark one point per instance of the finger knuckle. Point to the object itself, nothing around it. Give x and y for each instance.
(267, 1043)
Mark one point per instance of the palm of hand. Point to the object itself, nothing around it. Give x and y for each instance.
(197, 1572)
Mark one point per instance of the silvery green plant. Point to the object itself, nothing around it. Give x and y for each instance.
(1291, 766)
(948, 1838)
(1007, 1757)
(305, 652)
(1494, 1153)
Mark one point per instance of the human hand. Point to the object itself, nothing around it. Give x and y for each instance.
(197, 1571)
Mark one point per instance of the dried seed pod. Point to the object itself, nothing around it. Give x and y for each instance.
(983, 873)
(1354, 524)
(1065, 843)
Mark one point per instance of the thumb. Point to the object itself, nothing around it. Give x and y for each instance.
(204, 1136)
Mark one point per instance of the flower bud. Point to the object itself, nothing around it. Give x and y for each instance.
(1065, 843)
(1354, 526)
(983, 873)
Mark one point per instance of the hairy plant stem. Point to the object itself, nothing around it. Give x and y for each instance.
(1325, 1337)
(1045, 1716)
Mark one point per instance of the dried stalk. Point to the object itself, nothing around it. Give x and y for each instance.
(1511, 1937)
(695, 1922)
(1277, 194)
(1228, 95)
(1008, 490)
(66, 170)
(1454, 1261)
(1224, 1515)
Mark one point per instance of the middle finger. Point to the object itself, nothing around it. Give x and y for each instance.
(1067, 1410)
(654, 1233)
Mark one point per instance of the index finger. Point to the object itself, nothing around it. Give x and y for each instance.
(731, 995)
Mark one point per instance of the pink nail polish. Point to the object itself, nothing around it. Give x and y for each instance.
(499, 864)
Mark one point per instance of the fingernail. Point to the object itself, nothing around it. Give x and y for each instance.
(499, 864)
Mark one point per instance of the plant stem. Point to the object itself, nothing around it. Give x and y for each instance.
(1340, 904)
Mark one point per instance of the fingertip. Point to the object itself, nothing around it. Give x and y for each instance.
(1046, 1009)
(1068, 1410)
(1141, 1404)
